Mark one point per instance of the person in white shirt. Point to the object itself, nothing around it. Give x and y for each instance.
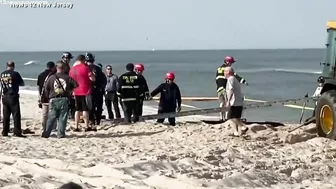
(320, 82)
(235, 101)
(318, 90)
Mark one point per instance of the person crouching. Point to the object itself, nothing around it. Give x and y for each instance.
(58, 87)
(235, 100)
(170, 99)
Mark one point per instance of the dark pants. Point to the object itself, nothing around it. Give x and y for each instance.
(130, 108)
(11, 105)
(140, 107)
(97, 108)
(167, 110)
(72, 108)
(111, 98)
(58, 109)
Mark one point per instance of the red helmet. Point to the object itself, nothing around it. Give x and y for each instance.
(170, 76)
(139, 67)
(229, 59)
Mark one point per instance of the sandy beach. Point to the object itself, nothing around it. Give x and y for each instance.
(150, 156)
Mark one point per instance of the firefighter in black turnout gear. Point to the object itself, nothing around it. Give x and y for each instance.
(170, 99)
(129, 90)
(10, 82)
(66, 59)
(139, 69)
(98, 90)
(221, 82)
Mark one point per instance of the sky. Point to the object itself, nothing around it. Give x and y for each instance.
(166, 24)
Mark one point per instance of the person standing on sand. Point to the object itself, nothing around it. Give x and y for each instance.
(84, 77)
(235, 101)
(139, 69)
(43, 102)
(10, 82)
(317, 93)
(66, 59)
(98, 90)
(111, 97)
(58, 87)
(221, 82)
(170, 98)
(129, 90)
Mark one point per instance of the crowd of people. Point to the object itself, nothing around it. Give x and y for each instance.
(77, 92)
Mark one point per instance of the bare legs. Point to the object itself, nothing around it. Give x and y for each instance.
(85, 118)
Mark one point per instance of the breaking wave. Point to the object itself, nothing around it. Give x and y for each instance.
(280, 70)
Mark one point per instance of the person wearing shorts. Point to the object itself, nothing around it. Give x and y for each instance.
(235, 101)
(84, 77)
(81, 104)
(221, 84)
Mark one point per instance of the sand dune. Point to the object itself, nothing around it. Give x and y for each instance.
(149, 156)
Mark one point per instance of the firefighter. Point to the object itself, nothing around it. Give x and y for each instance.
(139, 69)
(221, 82)
(129, 90)
(66, 59)
(170, 98)
(98, 89)
(10, 83)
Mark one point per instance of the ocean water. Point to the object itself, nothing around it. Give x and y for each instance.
(271, 74)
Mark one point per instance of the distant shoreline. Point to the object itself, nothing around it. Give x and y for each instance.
(171, 50)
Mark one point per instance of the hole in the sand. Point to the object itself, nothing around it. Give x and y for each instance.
(27, 176)
(256, 128)
(7, 163)
(25, 180)
(296, 138)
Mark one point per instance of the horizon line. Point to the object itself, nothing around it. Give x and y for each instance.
(153, 50)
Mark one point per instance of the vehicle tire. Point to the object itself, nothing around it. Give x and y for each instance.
(325, 114)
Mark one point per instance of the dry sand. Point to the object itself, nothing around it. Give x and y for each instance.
(149, 156)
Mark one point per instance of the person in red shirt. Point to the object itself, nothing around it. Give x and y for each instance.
(84, 77)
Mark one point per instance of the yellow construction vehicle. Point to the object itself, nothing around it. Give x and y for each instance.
(325, 110)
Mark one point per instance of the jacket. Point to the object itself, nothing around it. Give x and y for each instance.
(170, 96)
(144, 86)
(41, 81)
(130, 86)
(100, 82)
(111, 85)
(221, 80)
